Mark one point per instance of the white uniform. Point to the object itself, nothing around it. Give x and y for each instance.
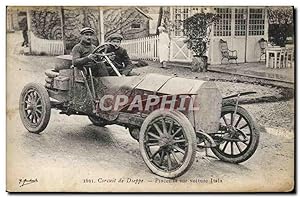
(163, 47)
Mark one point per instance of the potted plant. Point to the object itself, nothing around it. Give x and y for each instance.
(197, 30)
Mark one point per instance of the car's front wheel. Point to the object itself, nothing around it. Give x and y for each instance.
(238, 135)
(167, 143)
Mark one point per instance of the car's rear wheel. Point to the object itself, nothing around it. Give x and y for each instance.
(34, 107)
(167, 143)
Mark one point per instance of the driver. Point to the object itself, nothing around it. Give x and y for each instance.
(120, 59)
(82, 54)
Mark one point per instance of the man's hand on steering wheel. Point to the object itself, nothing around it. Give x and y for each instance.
(92, 57)
(101, 52)
(96, 57)
(112, 56)
(98, 54)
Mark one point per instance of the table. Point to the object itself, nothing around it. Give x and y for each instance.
(275, 51)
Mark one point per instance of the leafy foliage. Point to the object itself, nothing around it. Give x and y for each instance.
(280, 15)
(281, 24)
(197, 29)
(45, 23)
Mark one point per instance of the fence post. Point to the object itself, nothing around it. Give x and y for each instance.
(101, 25)
(62, 21)
(29, 28)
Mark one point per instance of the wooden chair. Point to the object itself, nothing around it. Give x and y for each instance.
(281, 63)
(226, 53)
(289, 58)
(263, 46)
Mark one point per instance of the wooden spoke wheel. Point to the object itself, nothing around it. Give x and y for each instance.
(167, 143)
(34, 107)
(237, 137)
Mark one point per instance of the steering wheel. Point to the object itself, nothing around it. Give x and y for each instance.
(101, 52)
(101, 48)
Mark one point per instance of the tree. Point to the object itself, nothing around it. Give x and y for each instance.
(197, 30)
(159, 19)
(120, 20)
(281, 24)
(46, 23)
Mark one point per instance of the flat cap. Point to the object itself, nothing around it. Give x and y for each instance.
(115, 36)
(87, 29)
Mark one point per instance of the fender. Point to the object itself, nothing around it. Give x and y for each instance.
(239, 94)
(228, 100)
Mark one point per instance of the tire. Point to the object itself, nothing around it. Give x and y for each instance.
(97, 121)
(248, 148)
(51, 74)
(167, 143)
(34, 107)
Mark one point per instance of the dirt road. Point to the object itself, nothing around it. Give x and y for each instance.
(73, 155)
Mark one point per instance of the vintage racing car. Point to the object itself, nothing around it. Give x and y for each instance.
(171, 117)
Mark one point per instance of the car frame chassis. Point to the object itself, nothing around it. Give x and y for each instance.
(168, 138)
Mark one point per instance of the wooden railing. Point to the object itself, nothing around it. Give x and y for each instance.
(46, 47)
(142, 48)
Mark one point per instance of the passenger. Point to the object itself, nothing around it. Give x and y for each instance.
(120, 59)
(81, 54)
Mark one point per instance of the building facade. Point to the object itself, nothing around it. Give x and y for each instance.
(131, 22)
(241, 27)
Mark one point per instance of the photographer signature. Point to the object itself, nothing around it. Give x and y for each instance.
(23, 182)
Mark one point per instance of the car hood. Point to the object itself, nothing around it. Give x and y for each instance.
(157, 83)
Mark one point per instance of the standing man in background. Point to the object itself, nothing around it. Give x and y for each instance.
(23, 26)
